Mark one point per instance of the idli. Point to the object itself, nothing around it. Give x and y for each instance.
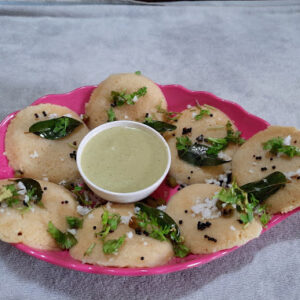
(127, 97)
(28, 225)
(136, 250)
(33, 156)
(210, 125)
(203, 228)
(252, 162)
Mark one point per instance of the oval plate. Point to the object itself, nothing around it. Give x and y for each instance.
(178, 98)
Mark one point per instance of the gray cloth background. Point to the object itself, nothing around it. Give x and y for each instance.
(249, 53)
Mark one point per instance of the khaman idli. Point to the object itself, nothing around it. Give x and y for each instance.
(33, 156)
(127, 97)
(28, 224)
(252, 162)
(203, 228)
(136, 250)
(210, 125)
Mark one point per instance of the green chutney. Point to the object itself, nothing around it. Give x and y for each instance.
(124, 159)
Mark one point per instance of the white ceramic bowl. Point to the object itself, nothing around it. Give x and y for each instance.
(122, 197)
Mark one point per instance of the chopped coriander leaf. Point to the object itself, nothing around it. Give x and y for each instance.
(138, 72)
(276, 145)
(74, 223)
(6, 192)
(170, 115)
(219, 144)
(233, 136)
(89, 249)
(82, 195)
(111, 115)
(78, 188)
(120, 98)
(181, 250)
(112, 246)
(64, 240)
(110, 222)
(183, 143)
(202, 113)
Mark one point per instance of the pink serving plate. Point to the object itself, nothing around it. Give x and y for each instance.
(178, 98)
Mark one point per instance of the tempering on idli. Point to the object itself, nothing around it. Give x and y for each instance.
(136, 251)
(213, 125)
(29, 226)
(201, 224)
(251, 163)
(101, 100)
(35, 157)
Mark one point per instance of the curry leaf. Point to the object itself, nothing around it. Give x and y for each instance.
(263, 189)
(159, 125)
(33, 189)
(54, 129)
(198, 155)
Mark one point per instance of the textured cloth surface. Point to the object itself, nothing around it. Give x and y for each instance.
(250, 55)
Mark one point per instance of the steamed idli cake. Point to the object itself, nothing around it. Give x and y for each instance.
(251, 163)
(144, 102)
(211, 125)
(32, 156)
(136, 250)
(201, 224)
(28, 225)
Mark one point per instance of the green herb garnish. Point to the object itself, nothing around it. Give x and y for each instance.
(202, 113)
(89, 249)
(55, 128)
(120, 98)
(110, 222)
(159, 125)
(81, 195)
(74, 223)
(112, 246)
(64, 240)
(219, 144)
(33, 189)
(248, 199)
(238, 198)
(276, 145)
(197, 154)
(111, 115)
(9, 194)
(12, 196)
(138, 72)
(183, 143)
(170, 115)
(159, 225)
(263, 189)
